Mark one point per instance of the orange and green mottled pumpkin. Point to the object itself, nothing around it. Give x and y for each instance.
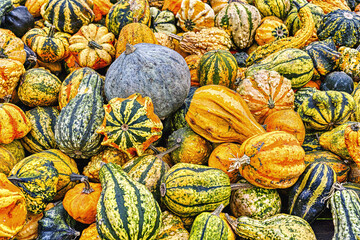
(101, 8)
(172, 227)
(11, 46)
(10, 73)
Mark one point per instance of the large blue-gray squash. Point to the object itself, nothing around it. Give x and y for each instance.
(151, 70)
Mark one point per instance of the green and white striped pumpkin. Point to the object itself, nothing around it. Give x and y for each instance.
(277, 8)
(162, 21)
(126, 209)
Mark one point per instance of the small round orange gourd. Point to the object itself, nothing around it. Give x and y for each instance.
(90, 233)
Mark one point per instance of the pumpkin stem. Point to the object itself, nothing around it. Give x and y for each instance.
(218, 210)
(355, 127)
(176, 37)
(51, 31)
(233, 223)
(271, 103)
(92, 44)
(163, 189)
(236, 186)
(129, 49)
(7, 99)
(155, 150)
(14, 180)
(135, 20)
(84, 179)
(237, 162)
(335, 187)
(173, 148)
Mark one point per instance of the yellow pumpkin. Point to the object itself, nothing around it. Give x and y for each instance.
(7, 161)
(11, 46)
(270, 29)
(30, 229)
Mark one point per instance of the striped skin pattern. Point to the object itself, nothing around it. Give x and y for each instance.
(307, 194)
(147, 170)
(240, 21)
(217, 67)
(311, 142)
(345, 209)
(37, 180)
(325, 110)
(67, 15)
(41, 137)
(75, 129)
(342, 26)
(163, 21)
(279, 226)
(124, 12)
(324, 55)
(302, 94)
(130, 124)
(126, 209)
(277, 8)
(208, 188)
(293, 64)
(332, 160)
(352, 186)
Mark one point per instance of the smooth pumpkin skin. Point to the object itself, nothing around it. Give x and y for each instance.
(34, 6)
(352, 141)
(30, 229)
(288, 121)
(101, 8)
(163, 21)
(12, 208)
(90, 233)
(172, 5)
(338, 81)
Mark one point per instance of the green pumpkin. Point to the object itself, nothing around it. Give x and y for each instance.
(325, 110)
(126, 209)
(41, 136)
(342, 26)
(277, 8)
(302, 94)
(217, 67)
(185, 179)
(162, 21)
(124, 12)
(293, 64)
(75, 129)
(57, 224)
(37, 180)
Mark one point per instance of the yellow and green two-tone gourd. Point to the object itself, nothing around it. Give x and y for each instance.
(172, 227)
(126, 209)
(277, 8)
(208, 188)
(162, 21)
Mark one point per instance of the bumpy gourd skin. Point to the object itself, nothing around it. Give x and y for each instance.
(172, 228)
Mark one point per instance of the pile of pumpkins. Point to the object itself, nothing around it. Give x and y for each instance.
(179, 119)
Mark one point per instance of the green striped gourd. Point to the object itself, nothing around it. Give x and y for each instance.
(37, 180)
(208, 188)
(277, 8)
(325, 110)
(210, 226)
(291, 63)
(67, 15)
(279, 226)
(41, 136)
(217, 67)
(126, 209)
(240, 21)
(302, 94)
(345, 209)
(75, 129)
(306, 197)
(172, 228)
(311, 142)
(352, 186)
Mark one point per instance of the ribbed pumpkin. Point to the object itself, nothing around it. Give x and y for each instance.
(325, 110)
(270, 29)
(134, 33)
(126, 208)
(162, 21)
(331, 5)
(48, 45)
(92, 46)
(219, 114)
(11, 47)
(7, 161)
(277, 8)
(39, 87)
(302, 94)
(67, 15)
(124, 12)
(11, 71)
(193, 62)
(240, 20)
(217, 67)
(266, 92)
(13, 123)
(342, 26)
(311, 142)
(34, 6)
(195, 15)
(265, 160)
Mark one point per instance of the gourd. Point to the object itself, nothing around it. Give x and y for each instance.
(302, 94)
(11, 46)
(16, 149)
(351, 135)
(349, 62)
(164, 40)
(306, 197)
(193, 62)
(297, 41)
(172, 227)
(90, 233)
(338, 81)
(11, 71)
(19, 20)
(31, 58)
(101, 8)
(30, 229)
(162, 21)
(270, 29)
(210, 115)
(167, 87)
(172, 5)
(7, 161)
(184, 179)
(330, 6)
(311, 142)
(34, 6)
(126, 209)
(277, 8)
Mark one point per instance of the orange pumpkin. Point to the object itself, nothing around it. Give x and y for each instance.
(101, 8)
(11, 46)
(10, 73)
(223, 156)
(193, 62)
(270, 29)
(313, 83)
(352, 141)
(90, 233)
(172, 5)
(266, 92)
(30, 229)
(34, 6)
(288, 121)
(271, 160)
(80, 202)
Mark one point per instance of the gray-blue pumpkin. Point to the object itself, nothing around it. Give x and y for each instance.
(151, 70)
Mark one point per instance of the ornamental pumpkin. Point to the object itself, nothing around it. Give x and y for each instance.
(11, 71)
(124, 12)
(7, 161)
(164, 40)
(48, 45)
(277, 8)
(352, 142)
(19, 20)
(193, 62)
(217, 5)
(101, 8)
(80, 201)
(34, 6)
(266, 92)
(172, 5)
(338, 81)
(195, 15)
(349, 62)
(270, 30)
(39, 87)
(54, 67)
(331, 5)
(172, 227)
(11, 47)
(90, 233)
(217, 67)
(12, 209)
(92, 46)
(271, 160)
(16, 149)
(13, 123)
(130, 124)
(67, 15)
(162, 21)
(30, 229)
(219, 114)
(134, 33)
(239, 20)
